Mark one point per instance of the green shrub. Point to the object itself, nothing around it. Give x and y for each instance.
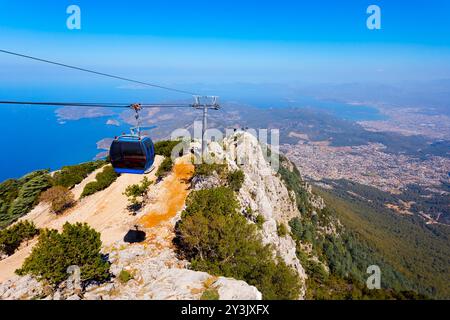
(20, 196)
(206, 169)
(260, 221)
(279, 281)
(9, 190)
(294, 182)
(218, 240)
(70, 176)
(4, 206)
(211, 202)
(210, 294)
(77, 245)
(89, 189)
(165, 167)
(103, 180)
(35, 174)
(20, 207)
(31, 189)
(106, 177)
(282, 230)
(12, 238)
(164, 148)
(235, 180)
(138, 193)
(60, 198)
(125, 276)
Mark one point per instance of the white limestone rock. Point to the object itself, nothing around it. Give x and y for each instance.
(21, 288)
(230, 289)
(162, 277)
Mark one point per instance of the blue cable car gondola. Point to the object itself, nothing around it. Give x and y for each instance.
(132, 154)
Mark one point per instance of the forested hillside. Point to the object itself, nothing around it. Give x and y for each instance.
(412, 255)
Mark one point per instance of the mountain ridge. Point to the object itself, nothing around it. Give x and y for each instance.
(291, 220)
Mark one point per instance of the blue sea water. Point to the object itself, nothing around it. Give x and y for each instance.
(32, 138)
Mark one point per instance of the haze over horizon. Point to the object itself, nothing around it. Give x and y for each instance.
(219, 43)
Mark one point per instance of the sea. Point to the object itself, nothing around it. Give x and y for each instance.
(34, 138)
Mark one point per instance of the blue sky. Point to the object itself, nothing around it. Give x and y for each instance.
(191, 42)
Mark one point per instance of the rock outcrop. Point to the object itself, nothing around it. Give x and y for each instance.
(153, 277)
(21, 288)
(163, 277)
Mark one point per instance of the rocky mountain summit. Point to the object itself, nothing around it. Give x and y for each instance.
(152, 268)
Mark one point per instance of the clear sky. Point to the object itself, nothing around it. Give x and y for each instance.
(201, 41)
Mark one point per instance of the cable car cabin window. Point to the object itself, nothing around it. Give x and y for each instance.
(129, 155)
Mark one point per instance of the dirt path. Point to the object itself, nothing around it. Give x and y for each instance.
(175, 189)
(158, 222)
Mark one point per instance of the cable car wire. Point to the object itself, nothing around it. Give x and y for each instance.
(96, 105)
(96, 72)
(137, 107)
